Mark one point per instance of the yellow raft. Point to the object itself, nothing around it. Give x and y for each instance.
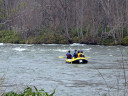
(78, 60)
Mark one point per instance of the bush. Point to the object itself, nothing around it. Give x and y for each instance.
(107, 41)
(9, 36)
(47, 38)
(29, 92)
(125, 41)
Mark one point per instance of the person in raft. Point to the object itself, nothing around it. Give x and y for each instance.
(75, 54)
(80, 54)
(69, 56)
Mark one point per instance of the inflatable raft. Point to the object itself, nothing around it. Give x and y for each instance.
(79, 60)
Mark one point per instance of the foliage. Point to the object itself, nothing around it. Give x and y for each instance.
(47, 38)
(107, 41)
(29, 92)
(73, 31)
(23, 16)
(100, 31)
(108, 29)
(76, 39)
(2, 10)
(125, 40)
(124, 32)
(63, 26)
(9, 36)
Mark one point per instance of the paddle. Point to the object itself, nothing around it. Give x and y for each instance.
(88, 57)
(61, 57)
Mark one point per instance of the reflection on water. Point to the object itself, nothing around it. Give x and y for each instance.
(39, 65)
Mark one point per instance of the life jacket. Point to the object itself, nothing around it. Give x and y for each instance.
(69, 56)
(79, 54)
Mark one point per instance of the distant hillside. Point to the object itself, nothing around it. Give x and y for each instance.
(64, 21)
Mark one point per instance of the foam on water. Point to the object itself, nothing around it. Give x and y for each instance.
(61, 50)
(29, 45)
(1, 44)
(50, 44)
(77, 44)
(87, 49)
(95, 53)
(19, 49)
(110, 55)
(72, 50)
(108, 49)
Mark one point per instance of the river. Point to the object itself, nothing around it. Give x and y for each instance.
(38, 65)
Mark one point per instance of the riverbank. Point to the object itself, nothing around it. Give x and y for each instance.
(10, 36)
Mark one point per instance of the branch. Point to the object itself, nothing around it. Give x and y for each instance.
(3, 23)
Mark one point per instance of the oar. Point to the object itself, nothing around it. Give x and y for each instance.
(88, 57)
(60, 57)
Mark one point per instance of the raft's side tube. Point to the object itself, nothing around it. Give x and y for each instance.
(77, 60)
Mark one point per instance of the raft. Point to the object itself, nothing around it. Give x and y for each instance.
(78, 60)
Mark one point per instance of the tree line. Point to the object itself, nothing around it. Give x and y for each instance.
(64, 21)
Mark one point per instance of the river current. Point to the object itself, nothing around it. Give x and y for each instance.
(24, 65)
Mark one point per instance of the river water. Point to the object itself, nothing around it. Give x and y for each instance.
(38, 65)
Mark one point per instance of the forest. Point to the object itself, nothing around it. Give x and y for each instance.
(64, 21)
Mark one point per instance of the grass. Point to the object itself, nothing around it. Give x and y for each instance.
(2, 80)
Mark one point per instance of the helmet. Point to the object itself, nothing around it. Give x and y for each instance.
(75, 50)
(81, 51)
(78, 51)
(69, 51)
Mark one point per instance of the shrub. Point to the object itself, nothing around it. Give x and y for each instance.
(107, 41)
(9, 36)
(29, 92)
(125, 40)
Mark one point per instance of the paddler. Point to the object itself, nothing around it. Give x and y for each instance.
(75, 54)
(80, 53)
(69, 56)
